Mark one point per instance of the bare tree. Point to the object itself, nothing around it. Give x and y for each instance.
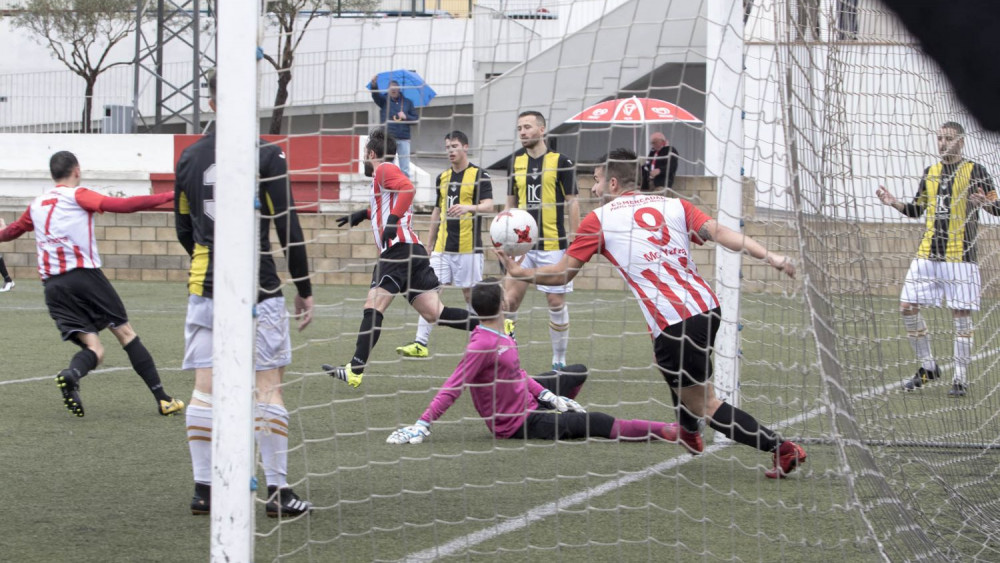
(292, 28)
(81, 34)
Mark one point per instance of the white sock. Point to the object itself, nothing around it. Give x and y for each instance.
(271, 430)
(423, 331)
(199, 432)
(916, 331)
(963, 349)
(559, 333)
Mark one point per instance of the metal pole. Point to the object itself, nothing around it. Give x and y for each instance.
(235, 299)
(724, 160)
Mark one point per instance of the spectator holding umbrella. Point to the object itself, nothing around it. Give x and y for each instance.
(396, 111)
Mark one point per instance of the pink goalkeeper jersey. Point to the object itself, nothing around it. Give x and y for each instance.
(648, 238)
(388, 183)
(63, 221)
(501, 391)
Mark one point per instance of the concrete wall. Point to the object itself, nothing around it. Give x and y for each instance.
(143, 246)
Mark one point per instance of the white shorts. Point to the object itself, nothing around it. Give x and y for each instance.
(539, 258)
(458, 269)
(273, 344)
(930, 281)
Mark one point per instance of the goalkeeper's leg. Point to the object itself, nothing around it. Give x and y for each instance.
(566, 382)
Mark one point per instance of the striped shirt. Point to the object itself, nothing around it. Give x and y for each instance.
(648, 239)
(388, 185)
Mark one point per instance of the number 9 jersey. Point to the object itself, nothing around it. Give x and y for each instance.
(648, 237)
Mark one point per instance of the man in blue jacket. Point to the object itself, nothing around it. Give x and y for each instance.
(395, 111)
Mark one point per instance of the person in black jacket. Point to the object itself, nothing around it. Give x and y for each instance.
(661, 164)
(396, 111)
(194, 215)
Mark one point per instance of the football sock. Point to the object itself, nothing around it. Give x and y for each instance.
(423, 331)
(371, 329)
(457, 318)
(916, 332)
(143, 364)
(963, 349)
(271, 431)
(559, 333)
(635, 429)
(3, 270)
(199, 432)
(739, 426)
(83, 361)
(687, 420)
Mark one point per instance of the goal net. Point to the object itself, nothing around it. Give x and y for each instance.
(801, 110)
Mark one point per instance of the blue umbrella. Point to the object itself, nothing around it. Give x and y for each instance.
(410, 83)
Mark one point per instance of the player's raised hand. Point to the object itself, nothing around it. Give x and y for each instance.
(884, 196)
(414, 434)
(304, 310)
(781, 263)
(512, 266)
(354, 219)
(978, 197)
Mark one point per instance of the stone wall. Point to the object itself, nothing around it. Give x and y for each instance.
(143, 246)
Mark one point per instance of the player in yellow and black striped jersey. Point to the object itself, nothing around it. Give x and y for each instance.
(543, 182)
(194, 216)
(464, 193)
(950, 194)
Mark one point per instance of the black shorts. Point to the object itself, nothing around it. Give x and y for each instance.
(552, 425)
(405, 268)
(83, 300)
(684, 350)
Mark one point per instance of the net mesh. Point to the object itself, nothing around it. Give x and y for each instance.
(838, 100)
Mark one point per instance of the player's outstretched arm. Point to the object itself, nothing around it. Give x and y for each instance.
(740, 242)
(560, 273)
(93, 201)
(17, 228)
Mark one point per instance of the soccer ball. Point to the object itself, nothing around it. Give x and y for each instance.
(514, 232)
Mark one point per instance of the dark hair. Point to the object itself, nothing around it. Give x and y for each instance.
(954, 125)
(486, 298)
(381, 142)
(393, 83)
(210, 76)
(61, 165)
(458, 136)
(535, 114)
(623, 165)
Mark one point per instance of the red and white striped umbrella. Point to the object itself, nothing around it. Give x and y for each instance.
(634, 110)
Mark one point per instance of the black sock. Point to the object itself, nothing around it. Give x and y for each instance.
(3, 270)
(371, 329)
(457, 318)
(83, 361)
(143, 364)
(743, 428)
(687, 420)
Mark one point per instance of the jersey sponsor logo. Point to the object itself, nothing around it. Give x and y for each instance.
(452, 200)
(534, 187)
(208, 202)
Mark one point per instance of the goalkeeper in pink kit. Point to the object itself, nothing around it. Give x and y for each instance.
(515, 405)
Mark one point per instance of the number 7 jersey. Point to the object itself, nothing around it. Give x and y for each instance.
(648, 237)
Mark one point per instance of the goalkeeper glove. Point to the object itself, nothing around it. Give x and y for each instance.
(354, 219)
(561, 404)
(411, 434)
(389, 232)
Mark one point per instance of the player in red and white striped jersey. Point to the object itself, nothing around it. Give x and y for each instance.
(403, 264)
(648, 236)
(79, 297)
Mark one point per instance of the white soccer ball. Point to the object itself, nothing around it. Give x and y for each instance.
(514, 232)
